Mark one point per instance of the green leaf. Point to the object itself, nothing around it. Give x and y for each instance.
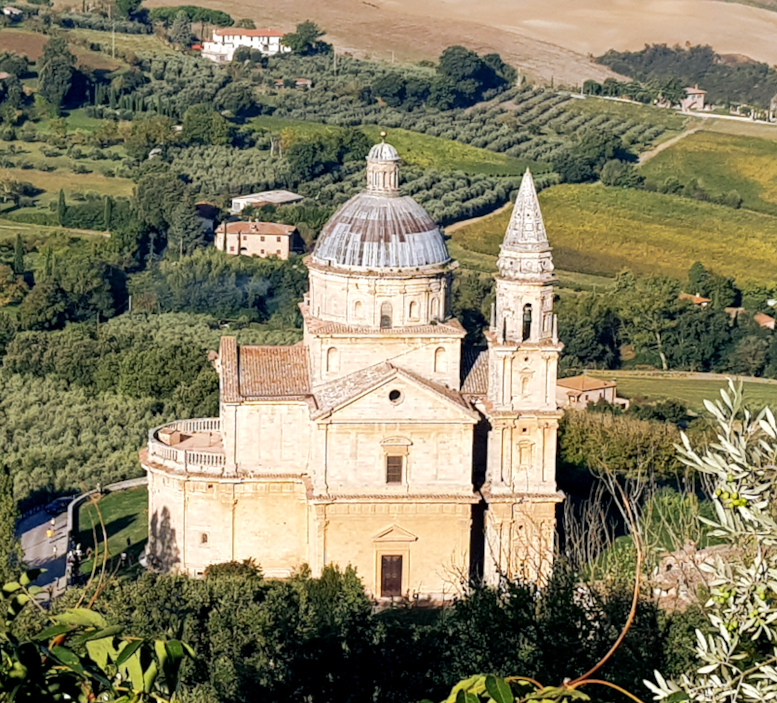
(11, 586)
(81, 617)
(100, 651)
(150, 676)
(499, 690)
(677, 697)
(68, 658)
(51, 632)
(108, 632)
(466, 697)
(127, 651)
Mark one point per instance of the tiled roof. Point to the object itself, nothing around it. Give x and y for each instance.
(273, 372)
(271, 228)
(764, 320)
(584, 383)
(474, 371)
(262, 372)
(333, 394)
(230, 392)
(695, 299)
(229, 32)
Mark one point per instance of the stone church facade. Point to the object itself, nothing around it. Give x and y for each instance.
(381, 440)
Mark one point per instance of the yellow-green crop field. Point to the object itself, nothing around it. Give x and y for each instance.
(690, 388)
(421, 150)
(722, 163)
(601, 231)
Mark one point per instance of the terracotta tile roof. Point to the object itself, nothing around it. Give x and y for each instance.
(230, 32)
(227, 365)
(695, 299)
(337, 392)
(334, 394)
(273, 372)
(584, 383)
(474, 371)
(271, 228)
(764, 320)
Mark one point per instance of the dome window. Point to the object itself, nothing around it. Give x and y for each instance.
(386, 314)
(413, 314)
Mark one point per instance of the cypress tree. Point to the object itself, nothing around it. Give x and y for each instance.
(108, 212)
(62, 208)
(18, 256)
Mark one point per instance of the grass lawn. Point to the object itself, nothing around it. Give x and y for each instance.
(685, 387)
(420, 150)
(125, 515)
(601, 231)
(63, 177)
(722, 163)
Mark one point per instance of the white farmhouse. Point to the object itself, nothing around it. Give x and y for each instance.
(227, 40)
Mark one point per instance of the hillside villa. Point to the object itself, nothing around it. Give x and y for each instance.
(225, 41)
(262, 239)
(577, 391)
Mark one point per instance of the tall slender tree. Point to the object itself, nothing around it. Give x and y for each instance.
(18, 256)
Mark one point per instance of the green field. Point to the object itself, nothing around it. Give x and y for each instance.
(722, 163)
(420, 150)
(125, 515)
(692, 390)
(138, 43)
(601, 231)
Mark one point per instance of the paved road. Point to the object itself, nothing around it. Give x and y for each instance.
(39, 550)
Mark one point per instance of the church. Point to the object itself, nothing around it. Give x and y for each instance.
(381, 440)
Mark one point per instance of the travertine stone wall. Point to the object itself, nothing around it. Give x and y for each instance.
(431, 538)
(436, 358)
(413, 298)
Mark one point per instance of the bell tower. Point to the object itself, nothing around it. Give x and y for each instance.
(523, 347)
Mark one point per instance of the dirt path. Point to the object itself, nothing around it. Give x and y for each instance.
(647, 155)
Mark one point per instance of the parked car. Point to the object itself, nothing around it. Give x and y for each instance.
(59, 505)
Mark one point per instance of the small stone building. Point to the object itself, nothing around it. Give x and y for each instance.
(262, 239)
(578, 391)
(381, 440)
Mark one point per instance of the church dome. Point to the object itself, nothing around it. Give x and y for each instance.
(383, 152)
(379, 228)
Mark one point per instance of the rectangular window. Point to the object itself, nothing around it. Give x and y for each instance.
(277, 239)
(262, 237)
(390, 576)
(394, 469)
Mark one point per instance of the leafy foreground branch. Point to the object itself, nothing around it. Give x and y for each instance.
(79, 656)
(739, 656)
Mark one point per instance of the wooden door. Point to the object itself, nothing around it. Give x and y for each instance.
(390, 576)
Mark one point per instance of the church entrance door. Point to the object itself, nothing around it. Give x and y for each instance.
(390, 576)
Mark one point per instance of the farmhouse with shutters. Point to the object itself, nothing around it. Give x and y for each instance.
(381, 440)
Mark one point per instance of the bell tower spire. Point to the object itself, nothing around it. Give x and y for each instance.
(523, 351)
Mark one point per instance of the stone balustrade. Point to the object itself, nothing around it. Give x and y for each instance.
(200, 460)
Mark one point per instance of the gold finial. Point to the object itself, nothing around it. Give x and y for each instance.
(383, 135)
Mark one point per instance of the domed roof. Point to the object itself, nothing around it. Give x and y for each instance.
(383, 152)
(379, 228)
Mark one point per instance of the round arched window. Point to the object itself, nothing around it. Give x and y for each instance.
(395, 396)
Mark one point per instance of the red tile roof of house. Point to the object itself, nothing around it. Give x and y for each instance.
(695, 299)
(585, 383)
(231, 32)
(764, 320)
(695, 91)
(272, 228)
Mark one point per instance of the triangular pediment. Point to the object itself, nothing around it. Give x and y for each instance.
(395, 534)
(384, 393)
